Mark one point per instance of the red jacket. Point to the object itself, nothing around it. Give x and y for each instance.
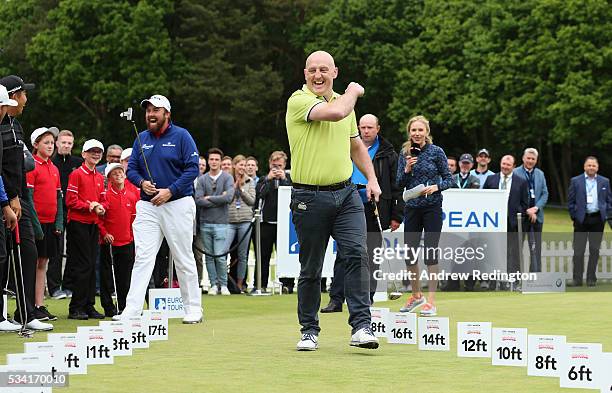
(45, 181)
(120, 213)
(132, 188)
(84, 186)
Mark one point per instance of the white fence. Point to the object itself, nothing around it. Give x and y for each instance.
(557, 257)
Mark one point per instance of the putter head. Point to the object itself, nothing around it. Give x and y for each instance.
(127, 114)
(394, 295)
(25, 333)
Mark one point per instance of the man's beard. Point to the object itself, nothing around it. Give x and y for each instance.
(157, 126)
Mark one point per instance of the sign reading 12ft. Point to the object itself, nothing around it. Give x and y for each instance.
(474, 339)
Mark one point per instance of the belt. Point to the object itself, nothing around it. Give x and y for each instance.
(595, 214)
(331, 187)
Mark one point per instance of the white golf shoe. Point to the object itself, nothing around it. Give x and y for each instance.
(308, 342)
(193, 318)
(364, 338)
(37, 325)
(6, 326)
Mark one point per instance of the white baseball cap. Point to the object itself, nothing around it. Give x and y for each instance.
(126, 153)
(157, 101)
(110, 167)
(91, 143)
(4, 98)
(39, 131)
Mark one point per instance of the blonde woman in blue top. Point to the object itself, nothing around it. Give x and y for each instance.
(422, 162)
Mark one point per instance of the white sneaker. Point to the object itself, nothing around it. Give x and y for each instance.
(6, 326)
(225, 291)
(117, 317)
(213, 291)
(308, 342)
(364, 338)
(193, 318)
(35, 324)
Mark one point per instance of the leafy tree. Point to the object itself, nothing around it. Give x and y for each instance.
(226, 80)
(97, 57)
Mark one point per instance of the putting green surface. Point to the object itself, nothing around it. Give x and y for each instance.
(247, 344)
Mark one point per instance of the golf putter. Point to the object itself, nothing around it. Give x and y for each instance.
(23, 308)
(112, 261)
(128, 114)
(394, 294)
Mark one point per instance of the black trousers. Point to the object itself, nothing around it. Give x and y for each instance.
(3, 268)
(82, 247)
(591, 230)
(25, 263)
(54, 268)
(374, 240)
(123, 262)
(417, 220)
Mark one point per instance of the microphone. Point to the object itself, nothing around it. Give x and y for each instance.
(415, 149)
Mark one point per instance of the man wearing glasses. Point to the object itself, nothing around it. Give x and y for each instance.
(214, 192)
(113, 154)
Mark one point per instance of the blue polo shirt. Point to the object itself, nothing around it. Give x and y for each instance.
(358, 177)
(172, 158)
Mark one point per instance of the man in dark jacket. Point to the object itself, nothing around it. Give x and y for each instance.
(65, 163)
(267, 195)
(518, 202)
(390, 205)
(13, 174)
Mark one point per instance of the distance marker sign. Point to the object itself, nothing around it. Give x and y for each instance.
(544, 355)
(433, 334)
(402, 328)
(474, 339)
(509, 347)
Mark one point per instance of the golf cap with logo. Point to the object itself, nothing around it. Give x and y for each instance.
(466, 157)
(484, 151)
(157, 101)
(110, 167)
(4, 98)
(42, 130)
(14, 83)
(126, 153)
(91, 144)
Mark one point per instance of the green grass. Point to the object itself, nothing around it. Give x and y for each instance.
(558, 220)
(248, 344)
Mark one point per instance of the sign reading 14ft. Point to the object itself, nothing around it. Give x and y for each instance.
(433, 334)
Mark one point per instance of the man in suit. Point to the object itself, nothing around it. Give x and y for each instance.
(518, 202)
(589, 202)
(538, 196)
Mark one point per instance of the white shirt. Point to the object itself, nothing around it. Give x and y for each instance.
(508, 182)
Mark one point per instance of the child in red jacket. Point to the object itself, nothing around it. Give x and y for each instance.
(116, 237)
(85, 198)
(44, 180)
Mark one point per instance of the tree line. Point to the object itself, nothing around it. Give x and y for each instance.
(500, 74)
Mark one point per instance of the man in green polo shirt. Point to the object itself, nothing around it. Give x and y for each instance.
(323, 137)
